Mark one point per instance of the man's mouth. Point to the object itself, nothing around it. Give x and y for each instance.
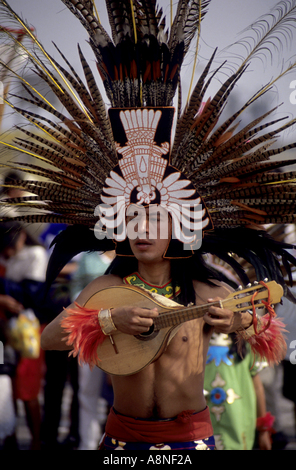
(143, 243)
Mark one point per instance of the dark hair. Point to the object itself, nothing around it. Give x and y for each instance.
(183, 272)
(239, 355)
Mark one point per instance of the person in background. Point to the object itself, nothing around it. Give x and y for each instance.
(91, 382)
(8, 361)
(235, 396)
(24, 259)
(287, 311)
(60, 368)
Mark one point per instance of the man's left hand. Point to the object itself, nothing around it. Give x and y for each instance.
(224, 320)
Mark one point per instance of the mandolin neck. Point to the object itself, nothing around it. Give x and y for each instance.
(176, 317)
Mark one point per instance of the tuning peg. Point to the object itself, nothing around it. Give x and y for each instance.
(249, 285)
(256, 283)
(266, 279)
(240, 287)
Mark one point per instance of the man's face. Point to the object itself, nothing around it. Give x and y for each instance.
(149, 232)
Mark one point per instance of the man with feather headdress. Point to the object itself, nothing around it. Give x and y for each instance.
(116, 180)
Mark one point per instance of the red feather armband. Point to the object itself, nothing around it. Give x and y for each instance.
(265, 335)
(86, 329)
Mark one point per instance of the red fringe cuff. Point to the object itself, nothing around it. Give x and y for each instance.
(84, 334)
(268, 344)
(265, 336)
(265, 423)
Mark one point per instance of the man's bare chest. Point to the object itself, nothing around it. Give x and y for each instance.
(188, 340)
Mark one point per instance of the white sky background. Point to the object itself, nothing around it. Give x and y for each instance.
(221, 27)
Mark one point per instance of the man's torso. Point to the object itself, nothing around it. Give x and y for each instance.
(174, 382)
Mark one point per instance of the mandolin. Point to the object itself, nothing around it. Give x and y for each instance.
(122, 354)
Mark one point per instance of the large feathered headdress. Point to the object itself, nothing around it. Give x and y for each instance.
(99, 162)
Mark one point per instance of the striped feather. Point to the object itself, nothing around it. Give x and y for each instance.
(195, 14)
(140, 65)
(98, 103)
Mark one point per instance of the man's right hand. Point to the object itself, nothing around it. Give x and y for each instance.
(133, 320)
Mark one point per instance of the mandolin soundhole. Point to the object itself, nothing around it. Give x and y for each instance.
(148, 335)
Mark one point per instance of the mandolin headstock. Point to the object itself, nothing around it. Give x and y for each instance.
(243, 299)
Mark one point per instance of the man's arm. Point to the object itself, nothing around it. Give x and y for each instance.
(127, 319)
(264, 439)
(53, 336)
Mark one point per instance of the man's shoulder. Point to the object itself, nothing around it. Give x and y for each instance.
(107, 280)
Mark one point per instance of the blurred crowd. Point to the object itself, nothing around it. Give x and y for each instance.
(235, 386)
(26, 307)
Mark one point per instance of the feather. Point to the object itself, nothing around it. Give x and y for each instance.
(120, 18)
(213, 110)
(177, 29)
(231, 140)
(266, 34)
(225, 169)
(195, 14)
(86, 16)
(83, 333)
(149, 18)
(97, 100)
(230, 166)
(191, 110)
(193, 23)
(269, 344)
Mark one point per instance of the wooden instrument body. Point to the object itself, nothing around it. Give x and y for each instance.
(124, 354)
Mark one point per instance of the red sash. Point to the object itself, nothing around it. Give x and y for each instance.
(187, 426)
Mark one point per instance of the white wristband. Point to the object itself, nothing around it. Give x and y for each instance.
(106, 322)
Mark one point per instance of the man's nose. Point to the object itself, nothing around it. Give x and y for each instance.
(143, 225)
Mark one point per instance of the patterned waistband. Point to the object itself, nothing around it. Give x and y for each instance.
(188, 426)
(112, 444)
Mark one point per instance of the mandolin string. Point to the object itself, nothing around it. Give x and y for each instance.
(173, 318)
